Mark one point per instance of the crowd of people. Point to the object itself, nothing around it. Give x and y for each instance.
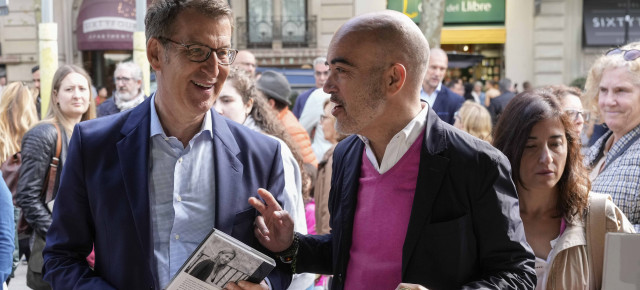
(382, 176)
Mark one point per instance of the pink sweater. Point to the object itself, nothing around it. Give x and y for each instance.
(381, 221)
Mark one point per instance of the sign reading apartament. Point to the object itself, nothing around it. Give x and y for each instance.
(106, 25)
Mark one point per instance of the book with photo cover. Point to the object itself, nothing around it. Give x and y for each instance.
(218, 260)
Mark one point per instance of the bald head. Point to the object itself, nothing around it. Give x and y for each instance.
(246, 61)
(394, 38)
(438, 63)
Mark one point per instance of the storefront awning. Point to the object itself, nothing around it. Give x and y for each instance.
(463, 60)
(472, 35)
(106, 25)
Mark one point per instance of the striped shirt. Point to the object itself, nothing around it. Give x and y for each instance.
(182, 194)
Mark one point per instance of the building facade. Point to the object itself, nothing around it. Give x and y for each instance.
(540, 41)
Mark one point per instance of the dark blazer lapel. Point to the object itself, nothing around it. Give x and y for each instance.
(349, 183)
(432, 171)
(228, 173)
(133, 152)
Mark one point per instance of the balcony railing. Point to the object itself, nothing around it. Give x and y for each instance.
(290, 31)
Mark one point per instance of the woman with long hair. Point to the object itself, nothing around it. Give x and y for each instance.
(613, 91)
(71, 103)
(474, 119)
(240, 102)
(540, 141)
(17, 115)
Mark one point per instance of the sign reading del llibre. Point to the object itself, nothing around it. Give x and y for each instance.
(457, 11)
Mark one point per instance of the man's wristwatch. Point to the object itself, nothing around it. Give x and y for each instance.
(289, 255)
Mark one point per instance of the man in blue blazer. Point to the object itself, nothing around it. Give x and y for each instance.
(454, 224)
(441, 99)
(145, 186)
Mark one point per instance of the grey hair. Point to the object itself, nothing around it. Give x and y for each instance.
(131, 67)
(319, 60)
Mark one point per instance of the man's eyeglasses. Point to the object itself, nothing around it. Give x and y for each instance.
(573, 114)
(201, 52)
(628, 55)
(123, 79)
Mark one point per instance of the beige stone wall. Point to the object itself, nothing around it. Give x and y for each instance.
(18, 36)
(519, 47)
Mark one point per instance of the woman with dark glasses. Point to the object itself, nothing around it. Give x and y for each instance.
(613, 85)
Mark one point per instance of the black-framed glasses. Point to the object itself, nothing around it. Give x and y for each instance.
(573, 114)
(123, 79)
(628, 55)
(200, 52)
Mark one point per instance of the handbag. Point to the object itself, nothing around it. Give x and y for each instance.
(11, 173)
(596, 230)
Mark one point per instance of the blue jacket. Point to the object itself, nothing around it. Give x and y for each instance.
(447, 104)
(103, 200)
(7, 231)
(108, 107)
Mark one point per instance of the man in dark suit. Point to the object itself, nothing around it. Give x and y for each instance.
(441, 99)
(414, 202)
(498, 103)
(145, 187)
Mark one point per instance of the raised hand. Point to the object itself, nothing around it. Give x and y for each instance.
(274, 227)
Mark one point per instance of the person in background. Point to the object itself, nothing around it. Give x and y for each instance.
(320, 74)
(613, 86)
(474, 119)
(7, 232)
(457, 86)
(3, 82)
(439, 97)
(35, 77)
(323, 180)
(405, 177)
(171, 154)
(71, 103)
(103, 94)
(17, 116)
(309, 116)
(239, 101)
(477, 93)
(498, 103)
(128, 92)
(526, 86)
(539, 139)
(246, 61)
(570, 100)
(275, 88)
(491, 92)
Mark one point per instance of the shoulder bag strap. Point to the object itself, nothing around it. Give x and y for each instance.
(596, 230)
(50, 179)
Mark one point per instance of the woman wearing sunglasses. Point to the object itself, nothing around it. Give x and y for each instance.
(613, 84)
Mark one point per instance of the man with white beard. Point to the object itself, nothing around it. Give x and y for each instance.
(128, 93)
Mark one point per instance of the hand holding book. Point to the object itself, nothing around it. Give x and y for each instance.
(274, 227)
